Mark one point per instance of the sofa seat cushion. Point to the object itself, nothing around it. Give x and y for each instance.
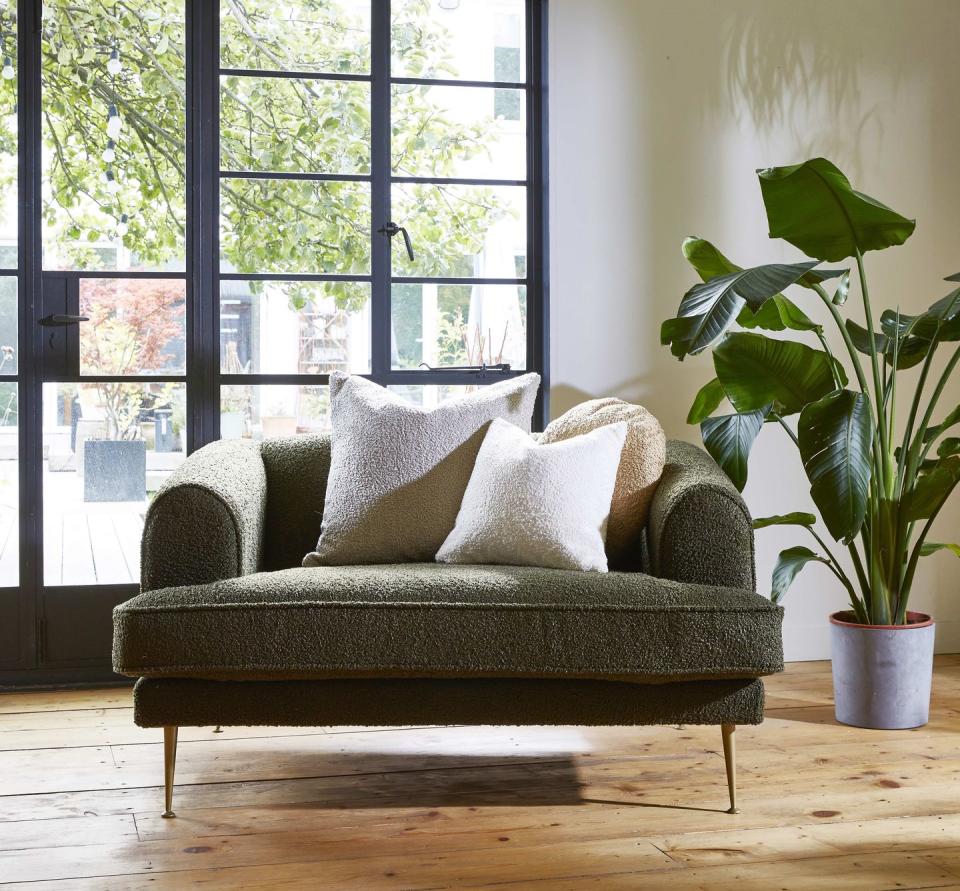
(431, 620)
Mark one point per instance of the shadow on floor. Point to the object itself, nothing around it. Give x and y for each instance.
(374, 780)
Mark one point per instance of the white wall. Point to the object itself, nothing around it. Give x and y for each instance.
(660, 111)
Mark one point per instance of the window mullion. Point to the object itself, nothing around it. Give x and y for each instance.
(380, 184)
(203, 241)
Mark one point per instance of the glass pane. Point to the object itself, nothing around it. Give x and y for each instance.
(8, 324)
(9, 487)
(272, 225)
(311, 126)
(113, 135)
(443, 325)
(463, 132)
(463, 231)
(262, 412)
(466, 39)
(430, 395)
(8, 137)
(294, 327)
(106, 450)
(136, 326)
(309, 35)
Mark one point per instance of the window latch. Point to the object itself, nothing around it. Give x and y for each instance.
(481, 370)
(392, 229)
(62, 320)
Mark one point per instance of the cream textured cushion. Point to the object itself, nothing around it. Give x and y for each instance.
(641, 466)
(398, 471)
(537, 505)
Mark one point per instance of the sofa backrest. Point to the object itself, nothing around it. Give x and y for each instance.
(297, 468)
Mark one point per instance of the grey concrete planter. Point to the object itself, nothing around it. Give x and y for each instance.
(882, 673)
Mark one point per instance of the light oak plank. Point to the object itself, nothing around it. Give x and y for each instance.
(65, 831)
(65, 700)
(341, 858)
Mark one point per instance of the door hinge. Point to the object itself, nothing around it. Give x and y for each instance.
(41, 640)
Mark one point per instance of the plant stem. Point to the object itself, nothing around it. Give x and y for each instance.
(790, 433)
(858, 568)
(931, 408)
(886, 479)
(851, 350)
(912, 565)
(833, 361)
(834, 565)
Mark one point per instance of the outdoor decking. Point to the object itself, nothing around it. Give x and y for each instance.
(83, 544)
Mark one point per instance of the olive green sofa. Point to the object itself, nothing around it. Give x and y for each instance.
(230, 630)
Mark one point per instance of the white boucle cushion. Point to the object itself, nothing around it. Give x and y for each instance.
(538, 505)
(398, 471)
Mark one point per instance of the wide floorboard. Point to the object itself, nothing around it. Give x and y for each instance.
(823, 806)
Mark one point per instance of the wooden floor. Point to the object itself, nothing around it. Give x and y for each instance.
(823, 806)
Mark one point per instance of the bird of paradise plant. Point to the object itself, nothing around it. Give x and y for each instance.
(872, 444)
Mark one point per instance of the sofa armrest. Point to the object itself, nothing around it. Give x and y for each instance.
(699, 528)
(206, 521)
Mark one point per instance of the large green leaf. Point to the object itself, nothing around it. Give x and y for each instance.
(715, 304)
(789, 563)
(729, 439)
(932, 489)
(676, 332)
(797, 518)
(941, 320)
(931, 547)
(906, 340)
(706, 402)
(706, 259)
(777, 314)
(756, 371)
(950, 446)
(814, 207)
(909, 352)
(835, 437)
(935, 430)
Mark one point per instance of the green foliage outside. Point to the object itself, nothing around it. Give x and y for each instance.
(121, 59)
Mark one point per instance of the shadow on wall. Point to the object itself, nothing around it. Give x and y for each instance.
(712, 91)
(794, 69)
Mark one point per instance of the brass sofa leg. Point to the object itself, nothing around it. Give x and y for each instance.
(730, 760)
(169, 765)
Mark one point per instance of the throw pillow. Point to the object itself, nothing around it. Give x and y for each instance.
(641, 466)
(538, 505)
(398, 471)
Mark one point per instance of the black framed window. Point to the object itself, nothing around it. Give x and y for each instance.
(203, 216)
(420, 114)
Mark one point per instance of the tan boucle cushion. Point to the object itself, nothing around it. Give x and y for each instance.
(641, 465)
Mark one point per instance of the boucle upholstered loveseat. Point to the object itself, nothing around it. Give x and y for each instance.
(230, 630)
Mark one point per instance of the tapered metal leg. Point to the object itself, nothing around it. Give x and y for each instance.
(169, 765)
(730, 760)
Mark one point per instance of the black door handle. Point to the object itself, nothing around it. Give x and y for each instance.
(392, 229)
(58, 319)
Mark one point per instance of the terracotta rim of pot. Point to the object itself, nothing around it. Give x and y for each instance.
(914, 620)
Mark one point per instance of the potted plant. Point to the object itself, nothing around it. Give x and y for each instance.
(133, 326)
(872, 443)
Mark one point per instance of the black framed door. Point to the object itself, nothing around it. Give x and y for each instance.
(150, 317)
